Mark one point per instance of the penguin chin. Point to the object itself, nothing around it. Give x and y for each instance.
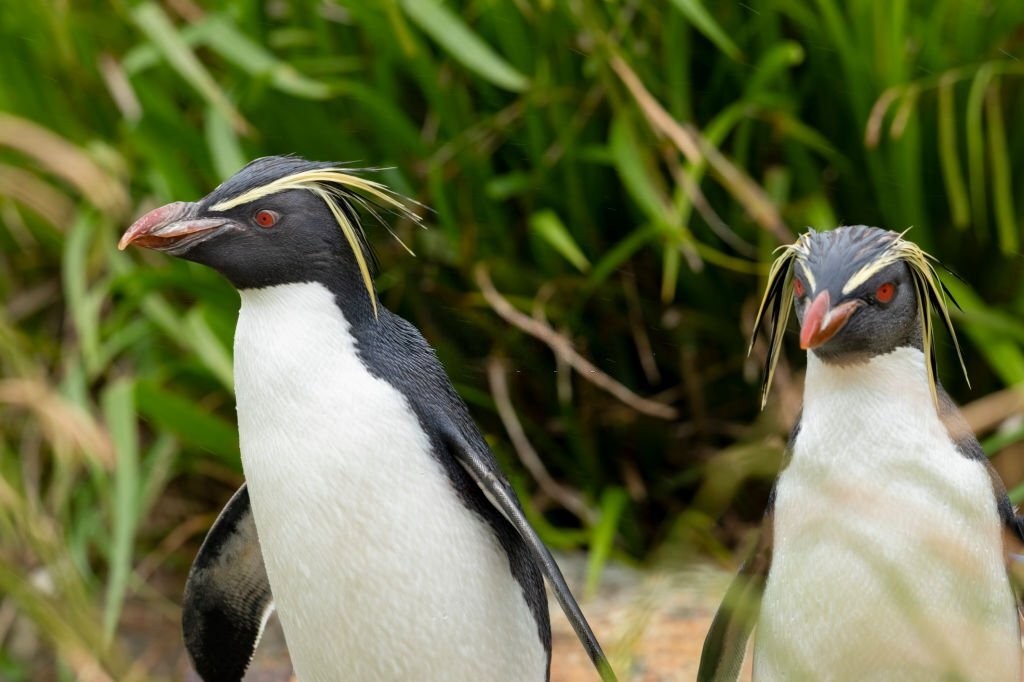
(841, 357)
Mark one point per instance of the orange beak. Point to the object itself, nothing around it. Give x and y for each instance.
(821, 322)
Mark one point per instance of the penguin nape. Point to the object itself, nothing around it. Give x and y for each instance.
(885, 546)
(389, 541)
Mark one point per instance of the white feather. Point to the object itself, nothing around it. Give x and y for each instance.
(378, 570)
(888, 561)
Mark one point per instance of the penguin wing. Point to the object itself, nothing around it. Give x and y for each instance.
(479, 462)
(1013, 524)
(227, 596)
(726, 641)
(1015, 560)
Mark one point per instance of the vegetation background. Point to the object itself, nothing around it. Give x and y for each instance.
(607, 183)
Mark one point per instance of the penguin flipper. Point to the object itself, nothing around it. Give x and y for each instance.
(1013, 523)
(483, 470)
(1015, 562)
(227, 595)
(726, 641)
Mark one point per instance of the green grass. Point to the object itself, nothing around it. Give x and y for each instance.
(621, 171)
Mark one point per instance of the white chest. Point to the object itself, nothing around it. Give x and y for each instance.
(888, 559)
(378, 571)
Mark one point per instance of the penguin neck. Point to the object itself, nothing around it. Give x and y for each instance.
(874, 412)
(355, 303)
(900, 374)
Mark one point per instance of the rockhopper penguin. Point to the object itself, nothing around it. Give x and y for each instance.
(883, 551)
(392, 546)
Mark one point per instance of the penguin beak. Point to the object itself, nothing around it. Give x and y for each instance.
(172, 228)
(821, 322)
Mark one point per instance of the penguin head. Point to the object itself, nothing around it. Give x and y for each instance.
(859, 292)
(279, 220)
(852, 302)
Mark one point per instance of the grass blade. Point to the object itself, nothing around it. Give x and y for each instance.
(949, 155)
(550, 228)
(83, 307)
(174, 413)
(1003, 354)
(465, 47)
(119, 413)
(640, 181)
(224, 38)
(621, 252)
(1002, 184)
(670, 260)
(602, 539)
(697, 14)
(209, 348)
(225, 150)
(153, 22)
(976, 145)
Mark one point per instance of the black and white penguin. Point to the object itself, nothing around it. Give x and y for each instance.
(883, 552)
(393, 548)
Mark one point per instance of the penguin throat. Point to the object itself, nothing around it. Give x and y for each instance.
(901, 372)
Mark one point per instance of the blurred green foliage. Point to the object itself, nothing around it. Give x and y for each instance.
(620, 171)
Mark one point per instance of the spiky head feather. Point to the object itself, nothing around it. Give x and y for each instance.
(339, 188)
(878, 249)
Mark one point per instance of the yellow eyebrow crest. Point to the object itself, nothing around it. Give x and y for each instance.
(334, 185)
(809, 276)
(864, 274)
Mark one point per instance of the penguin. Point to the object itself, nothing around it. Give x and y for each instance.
(884, 550)
(374, 517)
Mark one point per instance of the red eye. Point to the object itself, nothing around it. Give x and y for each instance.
(265, 218)
(885, 292)
(798, 288)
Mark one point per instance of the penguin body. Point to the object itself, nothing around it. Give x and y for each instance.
(369, 511)
(392, 546)
(888, 560)
(883, 553)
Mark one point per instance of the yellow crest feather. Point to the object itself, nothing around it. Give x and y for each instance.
(335, 185)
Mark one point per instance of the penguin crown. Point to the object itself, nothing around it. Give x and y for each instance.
(861, 252)
(339, 188)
